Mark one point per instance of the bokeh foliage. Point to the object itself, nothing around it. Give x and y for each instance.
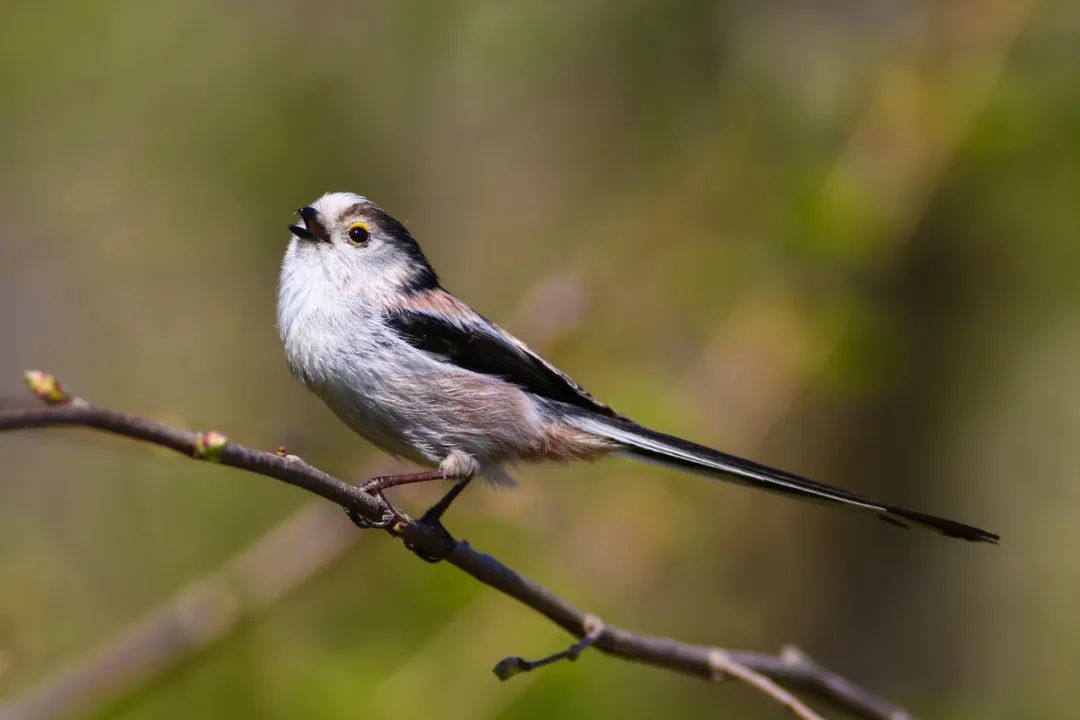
(839, 237)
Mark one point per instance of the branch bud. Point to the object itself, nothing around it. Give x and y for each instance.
(46, 387)
(509, 667)
(208, 446)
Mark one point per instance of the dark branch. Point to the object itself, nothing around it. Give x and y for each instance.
(790, 667)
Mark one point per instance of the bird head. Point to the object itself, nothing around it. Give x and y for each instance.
(348, 240)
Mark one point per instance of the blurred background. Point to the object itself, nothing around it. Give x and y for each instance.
(836, 237)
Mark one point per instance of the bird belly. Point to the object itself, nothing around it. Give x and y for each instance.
(368, 421)
(419, 408)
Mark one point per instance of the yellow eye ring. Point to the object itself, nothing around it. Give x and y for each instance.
(359, 234)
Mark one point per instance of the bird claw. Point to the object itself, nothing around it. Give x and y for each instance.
(447, 540)
(390, 514)
(392, 517)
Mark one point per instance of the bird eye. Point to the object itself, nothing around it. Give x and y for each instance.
(359, 233)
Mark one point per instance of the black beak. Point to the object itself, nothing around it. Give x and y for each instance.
(313, 229)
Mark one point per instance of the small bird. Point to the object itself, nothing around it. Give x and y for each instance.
(367, 326)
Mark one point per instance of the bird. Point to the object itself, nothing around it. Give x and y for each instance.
(367, 326)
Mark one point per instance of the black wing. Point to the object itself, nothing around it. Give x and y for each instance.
(483, 347)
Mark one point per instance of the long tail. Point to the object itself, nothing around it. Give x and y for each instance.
(651, 446)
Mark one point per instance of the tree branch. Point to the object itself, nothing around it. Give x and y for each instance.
(755, 669)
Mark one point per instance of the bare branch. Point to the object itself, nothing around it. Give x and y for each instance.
(64, 410)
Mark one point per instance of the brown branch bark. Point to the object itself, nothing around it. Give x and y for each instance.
(790, 667)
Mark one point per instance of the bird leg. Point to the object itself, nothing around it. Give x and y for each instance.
(375, 487)
(433, 516)
(433, 519)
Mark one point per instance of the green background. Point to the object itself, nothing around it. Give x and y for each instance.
(838, 237)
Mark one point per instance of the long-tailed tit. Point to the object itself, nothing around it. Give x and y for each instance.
(367, 327)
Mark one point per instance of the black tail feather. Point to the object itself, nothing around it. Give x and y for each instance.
(656, 447)
(948, 528)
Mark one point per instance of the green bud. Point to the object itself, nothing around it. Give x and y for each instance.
(46, 387)
(208, 446)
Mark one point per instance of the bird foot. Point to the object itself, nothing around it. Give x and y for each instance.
(432, 521)
(390, 514)
(392, 517)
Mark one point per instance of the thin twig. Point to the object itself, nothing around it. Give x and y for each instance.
(726, 666)
(508, 667)
(63, 410)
